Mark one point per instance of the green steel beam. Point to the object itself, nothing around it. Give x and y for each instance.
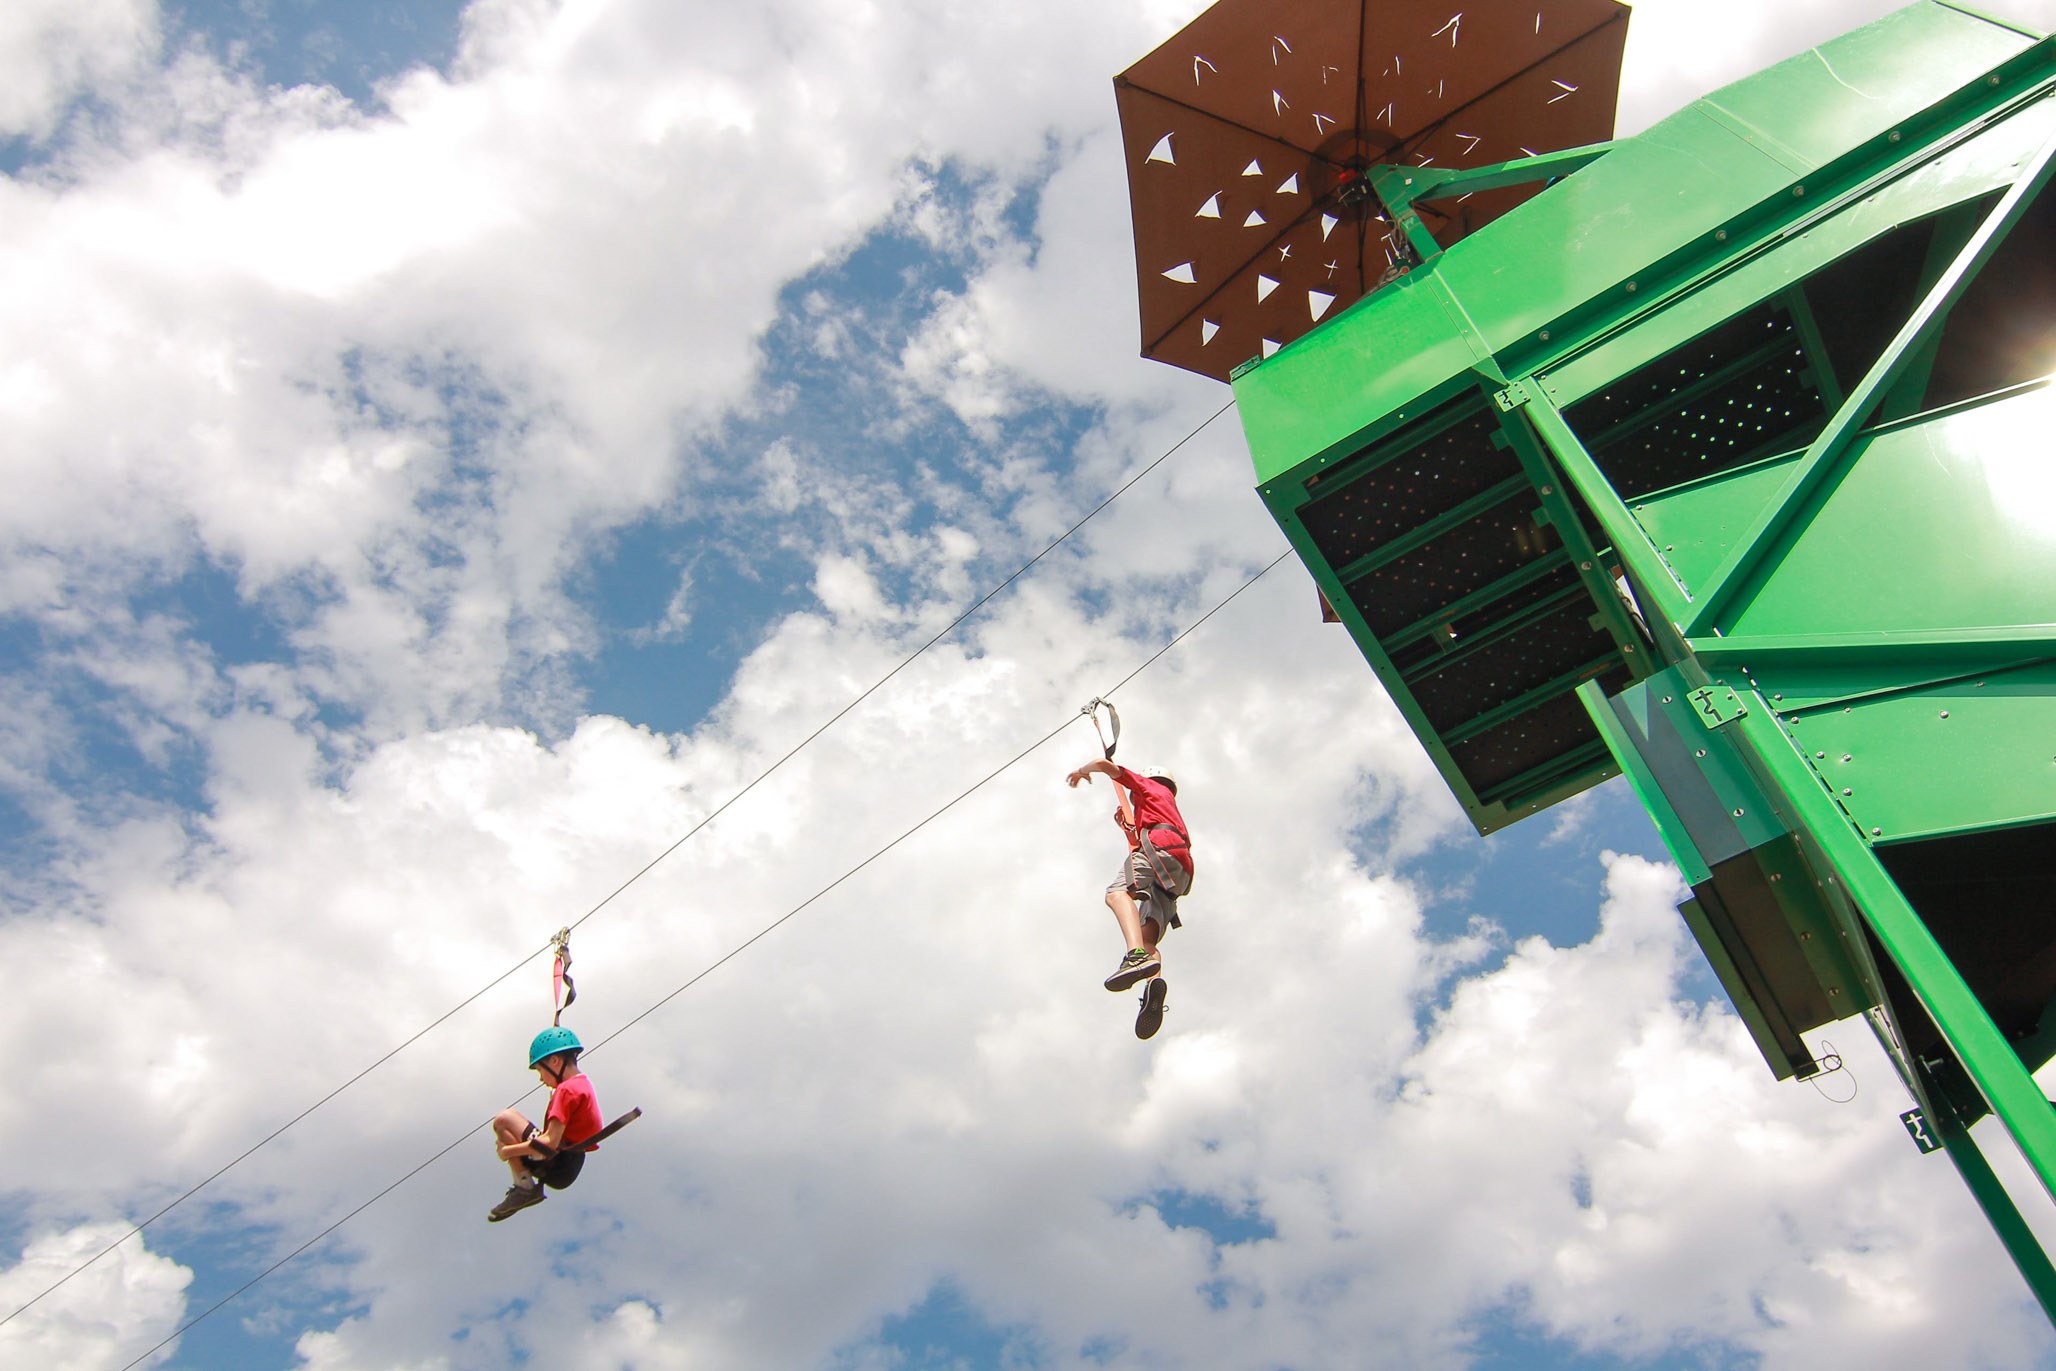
(1990, 1061)
(1811, 473)
(1549, 484)
(2000, 1211)
(1669, 826)
(1818, 363)
(1428, 532)
(1433, 183)
(1626, 535)
(1527, 700)
(1947, 646)
(1478, 599)
(1393, 187)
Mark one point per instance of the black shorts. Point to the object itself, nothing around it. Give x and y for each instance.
(559, 1171)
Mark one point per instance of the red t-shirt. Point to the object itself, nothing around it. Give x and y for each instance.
(1154, 803)
(573, 1101)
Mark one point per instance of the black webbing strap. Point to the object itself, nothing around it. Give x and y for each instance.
(1091, 711)
(595, 1140)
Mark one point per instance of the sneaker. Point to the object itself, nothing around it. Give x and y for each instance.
(518, 1198)
(1138, 964)
(1155, 1000)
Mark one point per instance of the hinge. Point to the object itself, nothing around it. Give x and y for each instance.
(1718, 705)
(1520, 393)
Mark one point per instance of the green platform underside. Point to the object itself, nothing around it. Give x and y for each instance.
(1728, 463)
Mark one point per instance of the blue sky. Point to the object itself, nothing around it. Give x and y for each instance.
(454, 450)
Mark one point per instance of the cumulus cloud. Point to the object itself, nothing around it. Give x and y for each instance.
(104, 1317)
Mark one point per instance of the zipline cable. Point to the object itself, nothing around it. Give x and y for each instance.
(709, 970)
(761, 776)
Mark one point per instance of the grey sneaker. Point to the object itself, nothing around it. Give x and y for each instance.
(518, 1198)
(1155, 1000)
(1139, 964)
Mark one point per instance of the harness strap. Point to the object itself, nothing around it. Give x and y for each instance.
(587, 1144)
(1091, 711)
(563, 990)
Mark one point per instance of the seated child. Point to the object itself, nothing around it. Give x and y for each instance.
(543, 1157)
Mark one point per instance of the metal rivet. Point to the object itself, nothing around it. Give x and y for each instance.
(1631, 287)
(1666, 699)
(1584, 566)
(1847, 755)
(1547, 490)
(1543, 335)
(1700, 753)
(1992, 80)
(1834, 990)
(1798, 190)
(1945, 714)
(1668, 546)
(1721, 236)
(1847, 791)
(1821, 755)
(1777, 697)
(1893, 136)
(1877, 833)
(1738, 813)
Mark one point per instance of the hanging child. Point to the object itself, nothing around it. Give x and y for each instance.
(1154, 874)
(553, 1154)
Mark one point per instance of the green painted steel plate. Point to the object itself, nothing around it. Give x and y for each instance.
(1945, 524)
(1694, 526)
(1938, 759)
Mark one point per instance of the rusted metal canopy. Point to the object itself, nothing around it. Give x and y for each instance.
(1248, 135)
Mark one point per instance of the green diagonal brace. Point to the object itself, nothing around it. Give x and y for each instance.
(1822, 457)
(1990, 1061)
(2000, 1211)
(1629, 539)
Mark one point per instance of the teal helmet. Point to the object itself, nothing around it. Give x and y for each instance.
(550, 1042)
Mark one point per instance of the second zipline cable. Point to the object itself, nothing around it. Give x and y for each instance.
(723, 960)
(761, 776)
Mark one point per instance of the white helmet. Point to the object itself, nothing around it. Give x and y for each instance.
(1157, 773)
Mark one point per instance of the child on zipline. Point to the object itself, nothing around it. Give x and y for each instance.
(1156, 871)
(543, 1157)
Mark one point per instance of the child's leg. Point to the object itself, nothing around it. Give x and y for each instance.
(510, 1127)
(1128, 916)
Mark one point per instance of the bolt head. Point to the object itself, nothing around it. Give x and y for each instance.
(1544, 335)
(1945, 714)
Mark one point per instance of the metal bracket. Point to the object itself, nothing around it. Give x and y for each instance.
(1917, 1127)
(1514, 396)
(1718, 705)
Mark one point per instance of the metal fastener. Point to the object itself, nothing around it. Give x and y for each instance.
(1543, 335)
(1700, 753)
(1892, 137)
(1798, 190)
(1631, 287)
(1945, 714)
(1993, 79)
(1720, 236)
(1847, 756)
(1548, 490)
(1738, 813)
(1877, 833)
(1777, 697)
(1584, 566)
(1822, 755)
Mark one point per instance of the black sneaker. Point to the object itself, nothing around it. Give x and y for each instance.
(1155, 1000)
(518, 1198)
(1138, 964)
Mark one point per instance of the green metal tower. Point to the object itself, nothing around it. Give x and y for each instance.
(1727, 462)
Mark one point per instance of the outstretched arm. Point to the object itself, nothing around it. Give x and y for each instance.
(1090, 769)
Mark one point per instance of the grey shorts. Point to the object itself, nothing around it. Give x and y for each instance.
(1151, 899)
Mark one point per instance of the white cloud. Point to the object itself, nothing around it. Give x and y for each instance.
(52, 50)
(102, 1318)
